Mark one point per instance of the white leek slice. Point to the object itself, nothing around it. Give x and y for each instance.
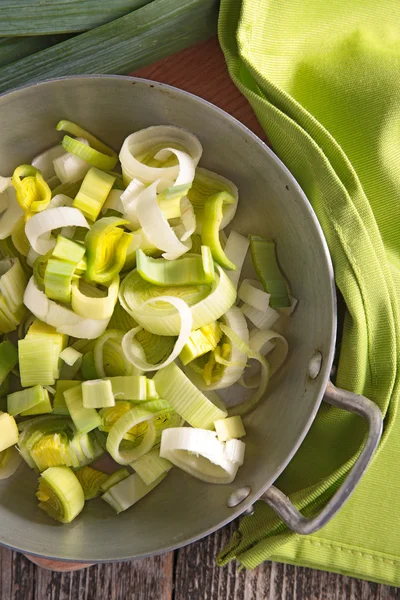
(151, 466)
(91, 307)
(206, 184)
(126, 493)
(44, 161)
(188, 219)
(201, 454)
(186, 165)
(10, 459)
(117, 432)
(186, 399)
(69, 168)
(261, 319)
(38, 229)
(236, 248)
(5, 182)
(163, 321)
(155, 225)
(13, 212)
(268, 341)
(130, 345)
(129, 202)
(60, 200)
(152, 140)
(260, 341)
(288, 310)
(114, 338)
(252, 292)
(64, 320)
(113, 202)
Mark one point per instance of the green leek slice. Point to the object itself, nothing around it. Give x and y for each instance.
(66, 249)
(92, 307)
(85, 419)
(70, 356)
(8, 431)
(59, 405)
(33, 193)
(126, 493)
(91, 481)
(19, 238)
(106, 245)
(24, 400)
(210, 230)
(101, 153)
(37, 361)
(60, 494)
(263, 254)
(93, 193)
(133, 387)
(230, 428)
(188, 270)
(97, 393)
(151, 466)
(8, 359)
(114, 478)
(132, 418)
(58, 280)
(109, 358)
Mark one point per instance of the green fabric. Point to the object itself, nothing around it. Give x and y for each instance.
(323, 79)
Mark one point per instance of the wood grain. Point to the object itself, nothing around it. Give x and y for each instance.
(190, 573)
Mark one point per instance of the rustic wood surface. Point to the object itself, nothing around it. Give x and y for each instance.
(190, 573)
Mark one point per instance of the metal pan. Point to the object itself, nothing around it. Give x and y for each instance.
(183, 509)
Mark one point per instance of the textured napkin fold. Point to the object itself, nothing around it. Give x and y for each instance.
(323, 80)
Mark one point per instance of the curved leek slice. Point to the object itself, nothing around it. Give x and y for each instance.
(188, 401)
(114, 478)
(106, 245)
(44, 161)
(263, 254)
(8, 431)
(200, 342)
(261, 319)
(277, 348)
(250, 403)
(91, 481)
(139, 240)
(207, 184)
(94, 142)
(38, 229)
(150, 141)
(60, 494)
(129, 201)
(155, 225)
(10, 460)
(121, 319)
(11, 214)
(287, 310)
(58, 280)
(251, 293)
(126, 493)
(236, 248)
(70, 170)
(151, 466)
(131, 419)
(33, 193)
(201, 454)
(95, 308)
(13, 281)
(90, 155)
(188, 270)
(113, 202)
(107, 351)
(60, 317)
(206, 305)
(93, 193)
(39, 267)
(19, 238)
(134, 352)
(212, 219)
(230, 428)
(186, 165)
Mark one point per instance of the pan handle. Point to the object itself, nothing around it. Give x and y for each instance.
(281, 504)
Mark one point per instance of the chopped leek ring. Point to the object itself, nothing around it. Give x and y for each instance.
(42, 408)
(126, 493)
(152, 140)
(8, 431)
(8, 359)
(188, 270)
(10, 460)
(188, 401)
(261, 319)
(230, 428)
(134, 352)
(91, 481)
(13, 281)
(129, 202)
(11, 214)
(116, 360)
(263, 254)
(186, 165)
(97, 393)
(133, 387)
(70, 356)
(210, 230)
(114, 478)
(43, 333)
(106, 245)
(33, 193)
(44, 161)
(131, 419)
(37, 361)
(251, 293)
(206, 306)
(59, 405)
(200, 342)
(66, 249)
(90, 155)
(277, 347)
(151, 466)
(95, 308)
(93, 193)
(201, 454)
(60, 494)
(38, 229)
(64, 320)
(94, 142)
(70, 170)
(58, 280)
(236, 248)
(19, 238)
(22, 401)
(85, 419)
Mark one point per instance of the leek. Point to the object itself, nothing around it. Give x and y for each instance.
(210, 229)
(70, 356)
(68, 250)
(94, 142)
(261, 319)
(33, 193)
(114, 478)
(205, 185)
(97, 393)
(93, 193)
(42, 408)
(95, 308)
(19, 238)
(109, 358)
(91, 481)
(37, 361)
(263, 254)
(126, 493)
(8, 359)
(236, 248)
(106, 245)
(151, 392)
(59, 405)
(230, 428)
(58, 280)
(8, 431)
(200, 342)
(85, 419)
(9, 462)
(151, 466)
(23, 401)
(251, 293)
(39, 227)
(189, 270)
(133, 387)
(60, 494)
(88, 367)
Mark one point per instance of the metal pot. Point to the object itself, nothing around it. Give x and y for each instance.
(184, 509)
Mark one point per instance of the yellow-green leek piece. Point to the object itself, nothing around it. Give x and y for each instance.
(44, 334)
(106, 245)
(114, 478)
(188, 270)
(8, 359)
(97, 393)
(37, 358)
(263, 255)
(60, 494)
(126, 493)
(130, 387)
(70, 356)
(88, 367)
(10, 460)
(33, 193)
(200, 342)
(87, 302)
(151, 466)
(66, 249)
(39, 268)
(97, 154)
(59, 405)
(18, 237)
(24, 400)
(58, 280)
(93, 193)
(91, 481)
(210, 229)
(8, 431)
(42, 408)
(230, 428)
(85, 419)
(13, 281)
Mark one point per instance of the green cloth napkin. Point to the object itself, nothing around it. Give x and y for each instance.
(323, 79)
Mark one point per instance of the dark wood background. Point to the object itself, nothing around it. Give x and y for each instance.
(189, 573)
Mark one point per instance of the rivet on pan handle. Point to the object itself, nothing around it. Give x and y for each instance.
(281, 503)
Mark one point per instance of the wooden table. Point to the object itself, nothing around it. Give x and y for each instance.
(189, 573)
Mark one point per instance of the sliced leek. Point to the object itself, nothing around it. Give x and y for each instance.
(236, 248)
(126, 493)
(95, 143)
(33, 193)
(251, 293)
(60, 494)
(8, 431)
(59, 405)
(85, 419)
(114, 478)
(109, 357)
(131, 419)
(263, 254)
(93, 193)
(188, 270)
(133, 387)
(38, 229)
(10, 460)
(106, 245)
(70, 356)
(97, 393)
(91, 307)
(91, 481)
(261, 319)
(230, 428)
(210, 229)
(8, 359)
(200, 342)
(151, 466)
(271, 342)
